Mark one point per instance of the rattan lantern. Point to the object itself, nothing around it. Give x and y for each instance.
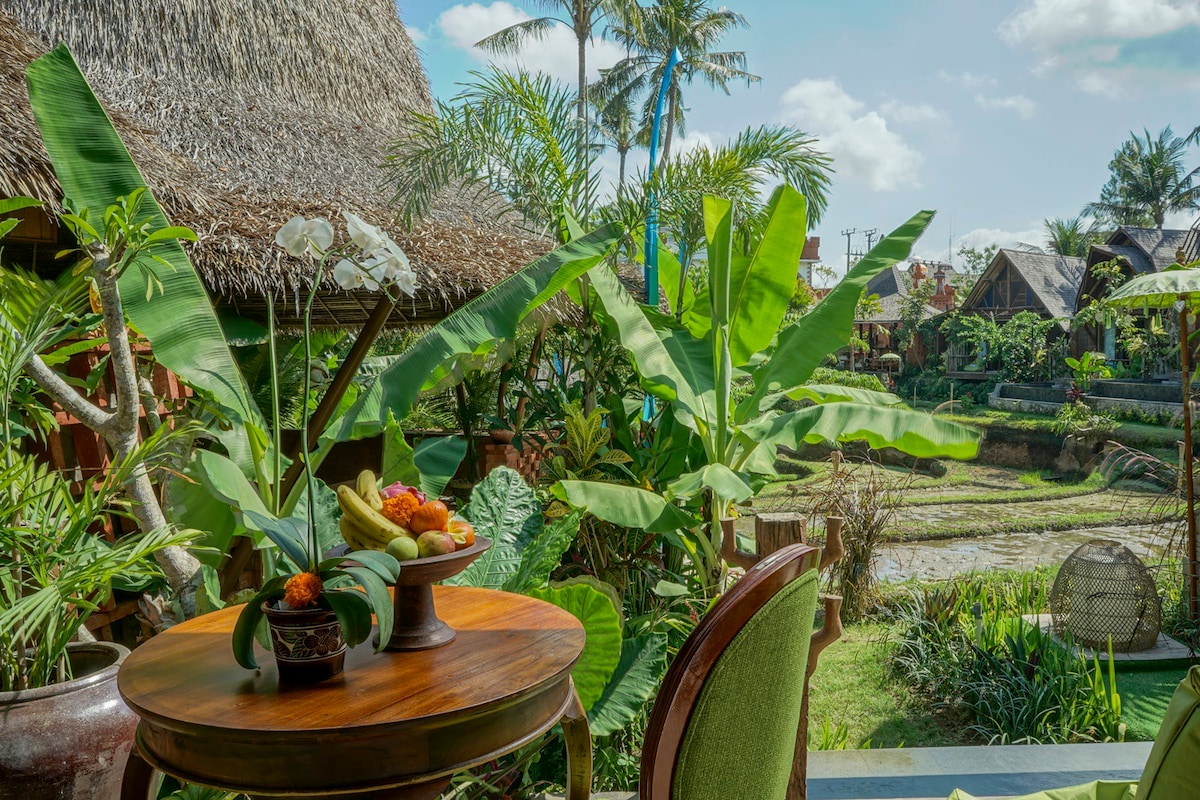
(1103, 590)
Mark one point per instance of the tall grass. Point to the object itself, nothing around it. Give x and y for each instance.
(964, 645)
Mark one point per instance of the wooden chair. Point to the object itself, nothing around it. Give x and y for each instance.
(725, 721)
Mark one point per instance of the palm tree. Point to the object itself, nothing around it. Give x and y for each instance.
(1148, 180)
(616, 124)
(583, 17)
(1066, 237)
(511, 133)
(649, 34)
(739, 171)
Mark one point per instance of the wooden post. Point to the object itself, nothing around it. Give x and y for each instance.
(729, 551)
(830, 632)
(775, 531)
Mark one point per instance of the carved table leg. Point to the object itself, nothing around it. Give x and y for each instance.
(579, 750)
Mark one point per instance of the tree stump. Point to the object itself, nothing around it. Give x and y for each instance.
(775, 531)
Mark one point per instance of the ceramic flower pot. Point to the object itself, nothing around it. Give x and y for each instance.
(308, 643)
(70, 740)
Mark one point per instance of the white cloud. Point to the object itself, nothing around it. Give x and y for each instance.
(555, 54)
(1019, 104)
(967, 80)
(1095, 41)
(691, 141)
(1047, 24)
(862, 145)
(417, 35)
(984, 237)
(911, 113)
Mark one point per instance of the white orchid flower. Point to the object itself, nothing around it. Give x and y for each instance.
(400, 271)
(366, 236)
(291, 237)
(299, 236)
(348, 275)
(406, 282)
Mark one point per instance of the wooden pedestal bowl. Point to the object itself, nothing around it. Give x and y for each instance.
(417, 626)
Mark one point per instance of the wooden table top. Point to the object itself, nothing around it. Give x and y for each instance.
(508, 645)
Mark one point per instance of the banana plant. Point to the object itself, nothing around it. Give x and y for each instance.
(731, 328)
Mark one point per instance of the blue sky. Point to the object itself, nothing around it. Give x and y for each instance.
(997, 114)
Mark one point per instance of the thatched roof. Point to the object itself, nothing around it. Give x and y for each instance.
(252, 112)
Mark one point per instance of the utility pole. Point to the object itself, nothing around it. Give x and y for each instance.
(848, 234)
(871, 235)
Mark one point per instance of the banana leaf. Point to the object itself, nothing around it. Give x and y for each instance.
(94, 169)
(472, 329)
(803, 346)
(761, 285)
(912, 432)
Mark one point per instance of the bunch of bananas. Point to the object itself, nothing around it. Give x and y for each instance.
(362, 525)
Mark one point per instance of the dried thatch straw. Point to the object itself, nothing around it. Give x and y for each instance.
(252, 112)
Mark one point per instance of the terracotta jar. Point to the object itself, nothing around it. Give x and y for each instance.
(308, 643)
(68, 741)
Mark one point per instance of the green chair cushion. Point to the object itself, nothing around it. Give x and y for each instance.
(1096, 790)
(741, 737)
(1173, 769)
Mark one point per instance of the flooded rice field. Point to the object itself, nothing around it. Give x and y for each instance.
(946, 558)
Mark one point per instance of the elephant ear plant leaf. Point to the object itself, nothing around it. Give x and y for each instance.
(734, 327)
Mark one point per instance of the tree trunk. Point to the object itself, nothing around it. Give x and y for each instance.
(582, 111)
(123, 435)
(623, 152)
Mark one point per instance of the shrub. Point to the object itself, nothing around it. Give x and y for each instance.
(867, 501)
(964, 645)
(841, 377)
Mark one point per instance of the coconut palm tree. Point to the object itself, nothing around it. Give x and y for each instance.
(512, 133)
(584, 18)
(617, 125)
(739, 170)
(650, 33)
(1148, 180)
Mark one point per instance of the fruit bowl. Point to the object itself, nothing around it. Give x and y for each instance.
(417, 626)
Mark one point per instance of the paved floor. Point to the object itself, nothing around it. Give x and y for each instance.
(931, 773)
(934, 772)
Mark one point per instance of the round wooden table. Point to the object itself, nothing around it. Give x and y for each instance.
(392, 725)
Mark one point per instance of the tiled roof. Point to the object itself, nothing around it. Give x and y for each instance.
(1147, 249)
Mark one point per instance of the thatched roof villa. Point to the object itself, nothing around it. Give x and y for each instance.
(243, 114)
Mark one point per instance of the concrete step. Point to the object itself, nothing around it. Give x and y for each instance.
(931, 773)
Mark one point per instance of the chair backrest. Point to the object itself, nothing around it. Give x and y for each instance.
(724, 723)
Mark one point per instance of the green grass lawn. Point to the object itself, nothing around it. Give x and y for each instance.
(1144, 699)
(853, 687)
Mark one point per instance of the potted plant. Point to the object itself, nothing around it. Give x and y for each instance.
(311, 611)
(316, 611)
(67, 734)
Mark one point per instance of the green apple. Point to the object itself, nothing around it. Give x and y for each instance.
(403, 548)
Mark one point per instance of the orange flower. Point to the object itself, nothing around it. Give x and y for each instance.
(399, 509)
(302, 590)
